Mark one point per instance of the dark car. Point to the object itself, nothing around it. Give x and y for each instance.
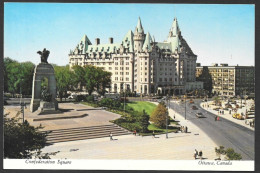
(200, 115)
(194, 108)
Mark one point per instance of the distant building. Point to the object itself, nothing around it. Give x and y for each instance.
(231, 80)
(140, 64)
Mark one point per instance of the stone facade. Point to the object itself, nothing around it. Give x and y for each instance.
(140, 64)
(43, 70)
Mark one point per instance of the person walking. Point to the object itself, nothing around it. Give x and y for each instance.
(111, 136)
(195, 154)
(200, 155)
(135, 132)
(216, 118)
(153, 134)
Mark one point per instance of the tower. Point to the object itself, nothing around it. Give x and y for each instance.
(139, 37)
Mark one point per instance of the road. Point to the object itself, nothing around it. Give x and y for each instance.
(223, 132)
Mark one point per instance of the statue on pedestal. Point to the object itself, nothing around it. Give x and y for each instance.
(44, 55)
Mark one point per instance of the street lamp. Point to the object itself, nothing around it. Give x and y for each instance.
(168, 100)
(124, 100)
(185, 104)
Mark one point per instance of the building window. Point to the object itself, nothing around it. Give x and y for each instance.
(116, 63)
(116, 78)
(145, 79)
(127, 63)
(127, 79)
(145, 63)
(127, 68)
(160, 79)
(116, 68)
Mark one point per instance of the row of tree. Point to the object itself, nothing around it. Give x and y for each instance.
(18, 78)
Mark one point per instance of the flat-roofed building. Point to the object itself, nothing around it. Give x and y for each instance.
(230, 80)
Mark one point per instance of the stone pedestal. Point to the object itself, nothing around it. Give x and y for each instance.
(43, 70)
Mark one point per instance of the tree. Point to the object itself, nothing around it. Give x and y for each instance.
(91, 77)
(158, 116)
(64, 80)
(144, 121)
(79, 76)
(27, 70)
(18, 76)
(23, 141)
(104, 80)
(206, 78)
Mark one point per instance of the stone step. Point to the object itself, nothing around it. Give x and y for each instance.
(84, 138)
(79, 133)
(83, 133)
(80, 128)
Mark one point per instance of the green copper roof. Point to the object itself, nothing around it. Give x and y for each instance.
(82, 47)
(174, 30)
(108, 48)
(139, 27)
(173, 37)
(128, 41)
(164, 45)
(147, 42)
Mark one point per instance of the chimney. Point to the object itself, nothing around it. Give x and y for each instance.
(111, 40)
(97, 41)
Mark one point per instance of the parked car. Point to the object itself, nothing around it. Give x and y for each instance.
(200, 115)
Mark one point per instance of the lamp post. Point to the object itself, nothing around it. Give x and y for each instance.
(185, 104)
(124, 101)
(168, 100)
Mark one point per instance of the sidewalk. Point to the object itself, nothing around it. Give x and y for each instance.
(227, 115)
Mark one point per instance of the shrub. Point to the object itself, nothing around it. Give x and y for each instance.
(90, 99)
(80, 98)
(232, 155)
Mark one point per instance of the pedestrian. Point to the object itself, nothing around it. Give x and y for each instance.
(186, 129)
(135, 132)
(174, 116)
(200, 155)
(111, 136)
(218, 119)
(153, 134)
(195, 154)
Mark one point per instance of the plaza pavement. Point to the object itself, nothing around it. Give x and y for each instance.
(178, 146)
(95, 116)
(226, 114)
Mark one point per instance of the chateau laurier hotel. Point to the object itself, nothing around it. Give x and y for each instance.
(140, 64)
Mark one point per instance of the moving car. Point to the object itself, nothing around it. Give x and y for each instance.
(194, 108)
(200, 115)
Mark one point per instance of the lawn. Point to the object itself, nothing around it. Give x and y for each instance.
(141, 105)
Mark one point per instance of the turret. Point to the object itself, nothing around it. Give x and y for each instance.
(139, 36)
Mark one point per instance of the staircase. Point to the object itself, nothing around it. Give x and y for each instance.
(83, 133)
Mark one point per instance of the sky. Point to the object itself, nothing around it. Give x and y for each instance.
(215, 33)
